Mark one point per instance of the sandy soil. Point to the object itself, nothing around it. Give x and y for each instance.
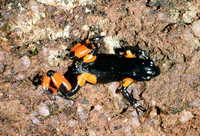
(34, 35)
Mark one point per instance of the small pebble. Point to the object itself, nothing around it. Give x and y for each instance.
(85, 28)
(26, 62)
(196, 28)
(117, 127)
(91, 132)
(2, 56)
(153, 113)
(43, 110)
(82, 113)
(72, 123)
(35, 120)
(195, 103)
(135, 122)
(111, 42)
(162, 17)
(127, 130)
(187, 35)
(98, 107)
(22, 64)
(2, 68)
(185, 116)
(20, 76)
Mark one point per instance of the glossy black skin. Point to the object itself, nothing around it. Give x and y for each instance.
(111, 67)
(115, 67)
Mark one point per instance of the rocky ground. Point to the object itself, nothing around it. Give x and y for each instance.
(34, 35)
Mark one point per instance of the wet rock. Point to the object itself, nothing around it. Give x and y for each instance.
(196, 28)
(43, 110)
(185, 116)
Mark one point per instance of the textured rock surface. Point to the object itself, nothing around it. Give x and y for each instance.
(34, 35)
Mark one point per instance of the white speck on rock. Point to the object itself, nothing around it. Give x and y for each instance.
(85, 2)
(185, 116)
(111, 42)
(53, 60)
(72, 123)
(87, 10)
(43, 110)
(196, 28)
(98, 107)
(85, 28)
(54, 34)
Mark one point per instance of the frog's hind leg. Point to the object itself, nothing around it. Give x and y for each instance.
(131, 52)
(78, 81)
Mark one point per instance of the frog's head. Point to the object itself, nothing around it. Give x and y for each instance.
(146, 70)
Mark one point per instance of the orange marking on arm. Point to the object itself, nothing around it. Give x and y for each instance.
(89, 58)
(75, 47)
(46, 82)
(59, 79)
(82, 51)
(129, 54)
(127, 81)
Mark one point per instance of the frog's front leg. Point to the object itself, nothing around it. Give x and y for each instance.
(128, 96)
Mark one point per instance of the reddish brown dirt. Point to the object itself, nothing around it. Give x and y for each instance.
(34, 35)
